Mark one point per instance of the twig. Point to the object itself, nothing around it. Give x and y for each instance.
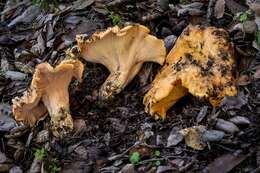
(225, 148)
(210, 10)
(187, 166)
(181, 169)
(3, 144)
(117, 2)
(115, 157)
(150, 17)
(161, 159)
(150, 160)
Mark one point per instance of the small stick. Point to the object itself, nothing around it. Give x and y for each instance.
(150, 17)
(117, 2)
(210, 10)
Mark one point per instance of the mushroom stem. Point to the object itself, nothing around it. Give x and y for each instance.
(122, 51)
(57, 104)
(117, 80)
(113, 85)
(62, 122)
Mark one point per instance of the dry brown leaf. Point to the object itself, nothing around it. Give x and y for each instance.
(225, 163)
(79, 126)
(219, 9)
(257, 73)
(234, 102)
(235, 7)
(243, 80)
(193, 137)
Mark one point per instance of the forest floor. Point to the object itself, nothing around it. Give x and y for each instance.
(118, 135)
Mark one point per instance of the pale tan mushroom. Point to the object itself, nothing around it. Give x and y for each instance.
(200, 63)
(29, 108)
(49, 92)
(122, 51)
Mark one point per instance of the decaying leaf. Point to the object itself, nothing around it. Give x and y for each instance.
(49, 92)
(243, 80)
(201, 63)
(193, 137)
(255, 6)
(81, 4)
(226, 126)
(240, 120)
(79, 126)
(212, 135)
(257, 73)
(202, 114)
(175, 137)
(27, 16)
(225, 163)
(2, 157)
(122, 51)
(219, 9)
(193, 9)
(235, 7)
(128, 168)
(234, 102)
(6, 121)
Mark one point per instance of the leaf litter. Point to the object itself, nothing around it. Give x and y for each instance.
(106, 133)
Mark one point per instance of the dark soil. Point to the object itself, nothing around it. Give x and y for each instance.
(118, 127)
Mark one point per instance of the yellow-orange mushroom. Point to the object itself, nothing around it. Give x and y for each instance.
(122, 51)
(201, 63)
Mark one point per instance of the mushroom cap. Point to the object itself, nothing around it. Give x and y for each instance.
(201, 63)
(29, 109)
(122, 51)
(49, 91)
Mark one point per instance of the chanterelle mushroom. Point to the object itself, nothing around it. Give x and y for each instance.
(122, 51)
(201, 63)
(49, 92)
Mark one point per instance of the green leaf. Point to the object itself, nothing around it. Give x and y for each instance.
(258, 38)
(116, 19)
(53, 168)
(245, 16)
(135, 157)
(1, 72)
(157, 153)
(40, 154)
(157, 163)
